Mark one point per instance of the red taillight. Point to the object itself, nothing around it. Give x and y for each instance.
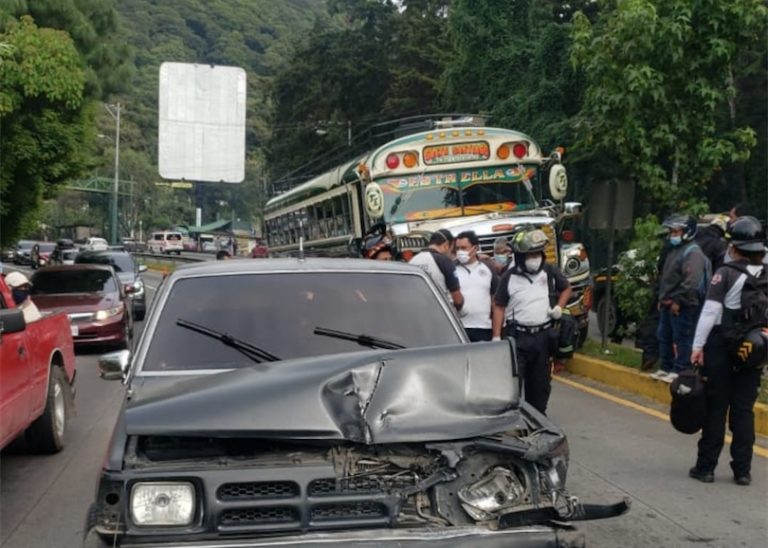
(393, 161)
(520, 150)
(567, 236)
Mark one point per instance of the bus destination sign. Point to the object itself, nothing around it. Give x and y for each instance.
(459, 152)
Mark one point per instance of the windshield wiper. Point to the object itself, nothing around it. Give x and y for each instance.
(254, 352)
(361, 339)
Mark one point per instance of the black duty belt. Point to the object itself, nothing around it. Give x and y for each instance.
(531, 329)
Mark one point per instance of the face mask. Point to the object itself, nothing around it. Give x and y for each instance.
(19, 295)
(533, 265)
(462, 256)
(675, 240)
(501, 259)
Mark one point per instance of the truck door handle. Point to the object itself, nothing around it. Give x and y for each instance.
(21, 351)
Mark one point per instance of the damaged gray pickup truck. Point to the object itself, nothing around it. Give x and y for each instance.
(325, 403)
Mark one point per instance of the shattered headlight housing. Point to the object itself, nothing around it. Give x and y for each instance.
(497, 490)
(162, 503)
(555, 475)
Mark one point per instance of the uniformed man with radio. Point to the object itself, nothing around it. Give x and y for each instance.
(730, 342)
(530, 299)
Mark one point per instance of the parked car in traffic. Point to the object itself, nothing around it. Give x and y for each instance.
(94, 299)
(127, 270)
(325, 403)
(94, 244)
(22, 252)
(260, 250)
(37, 377)
(166, 243)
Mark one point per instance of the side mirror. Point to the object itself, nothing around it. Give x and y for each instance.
(12, 321)
(142, 268)
(572, 209)
(114, 365)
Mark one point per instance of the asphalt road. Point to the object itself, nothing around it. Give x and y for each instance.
(618, 449)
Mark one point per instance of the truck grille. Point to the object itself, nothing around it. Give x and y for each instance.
(259, 516)
(310, 499)
(258, 490)
(353, 510)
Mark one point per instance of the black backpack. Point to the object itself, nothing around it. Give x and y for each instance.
(753, 313)
(689, 402)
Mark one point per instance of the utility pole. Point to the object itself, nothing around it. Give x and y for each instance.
(349, 133)
(116, 115)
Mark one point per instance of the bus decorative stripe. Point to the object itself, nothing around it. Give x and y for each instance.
(456, 211)
(456, 153)
(501, 175)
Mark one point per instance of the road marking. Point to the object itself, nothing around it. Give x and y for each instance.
(153, 288)
(637, 407)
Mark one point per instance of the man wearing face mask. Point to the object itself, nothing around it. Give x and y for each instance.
(20, 290)
(502, 253)
(478, 285)
(530, 299)
(682, 287)
(436, 261)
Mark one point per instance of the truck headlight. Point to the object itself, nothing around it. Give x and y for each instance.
(102, 315)
(162, 503)
(499, 489)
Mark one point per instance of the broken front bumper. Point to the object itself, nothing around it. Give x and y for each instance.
(465, 537)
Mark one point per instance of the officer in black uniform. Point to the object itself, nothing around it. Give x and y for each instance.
(733, 379)
(530, 299)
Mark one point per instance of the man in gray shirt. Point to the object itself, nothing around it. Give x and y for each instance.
(682, 285)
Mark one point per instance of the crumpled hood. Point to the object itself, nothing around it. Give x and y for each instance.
(425, 394)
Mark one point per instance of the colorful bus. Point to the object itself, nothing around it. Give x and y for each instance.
(460, 177)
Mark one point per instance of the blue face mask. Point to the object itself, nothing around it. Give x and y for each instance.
(675, 240)
(19, 295)
(501, 259)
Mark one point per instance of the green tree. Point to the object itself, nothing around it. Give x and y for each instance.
(657, 74)
(93, 26)
(45, 122)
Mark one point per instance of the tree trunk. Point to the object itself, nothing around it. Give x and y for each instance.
(739, 178)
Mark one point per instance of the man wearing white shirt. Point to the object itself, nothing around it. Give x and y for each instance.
(478, 282)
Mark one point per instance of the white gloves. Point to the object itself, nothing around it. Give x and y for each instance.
(555, 313)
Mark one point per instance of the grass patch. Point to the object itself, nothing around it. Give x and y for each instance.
(630, 357)
(621, 355)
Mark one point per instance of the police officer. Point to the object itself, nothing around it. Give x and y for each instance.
(530, 299)
(436, 261)
(731, 390)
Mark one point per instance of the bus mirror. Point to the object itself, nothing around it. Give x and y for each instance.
(558, 182)
(572, 209)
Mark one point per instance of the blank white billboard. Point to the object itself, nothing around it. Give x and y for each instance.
(202, 122)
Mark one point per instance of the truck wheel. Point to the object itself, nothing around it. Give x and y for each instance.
(612, 313)
(47, 433)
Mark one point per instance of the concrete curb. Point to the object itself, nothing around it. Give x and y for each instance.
(635, 382)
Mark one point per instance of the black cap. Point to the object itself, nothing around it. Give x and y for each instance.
(747, 234)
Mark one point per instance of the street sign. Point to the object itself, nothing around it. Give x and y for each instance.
(202, 122)
(611, 204)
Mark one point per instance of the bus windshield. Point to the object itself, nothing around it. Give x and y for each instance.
(459, 193)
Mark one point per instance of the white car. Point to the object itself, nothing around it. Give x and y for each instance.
(95, 244)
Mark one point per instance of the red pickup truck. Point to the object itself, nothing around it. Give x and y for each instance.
(37, 368)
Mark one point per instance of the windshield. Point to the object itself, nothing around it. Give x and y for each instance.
(60, 282)
(122, 262)
(453, 194)
(25, 245)
(47, 248)
(280, 313)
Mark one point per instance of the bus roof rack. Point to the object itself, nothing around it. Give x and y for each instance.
(467, 121)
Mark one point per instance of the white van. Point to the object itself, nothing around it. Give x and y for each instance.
(166, 243)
